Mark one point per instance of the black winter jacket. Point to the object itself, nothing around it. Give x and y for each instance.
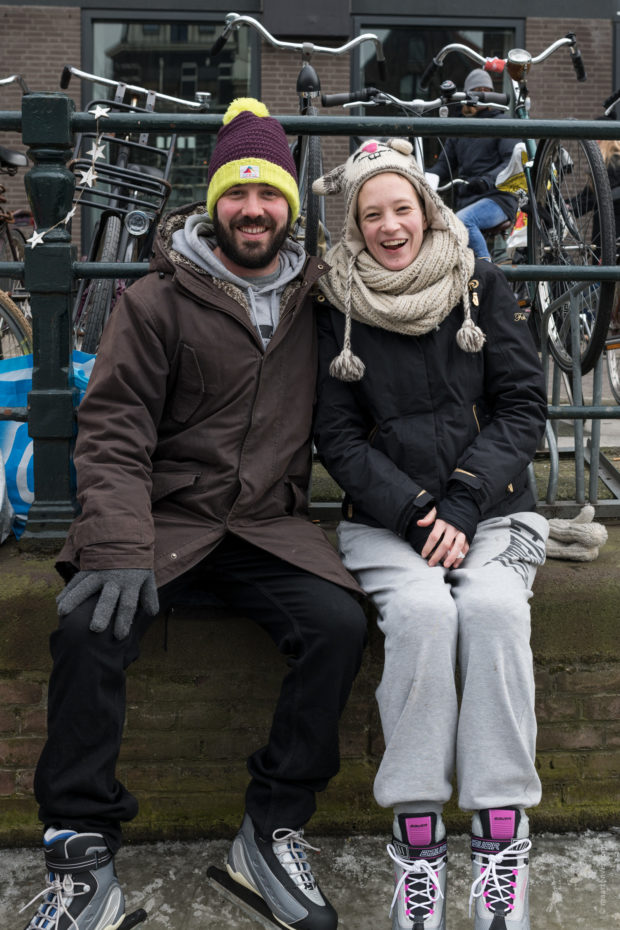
(431, 424)
(480, 159)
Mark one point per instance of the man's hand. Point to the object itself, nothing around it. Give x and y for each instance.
(445, 543)
(121, 589)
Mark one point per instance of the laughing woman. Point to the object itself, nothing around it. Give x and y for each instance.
(430, 407)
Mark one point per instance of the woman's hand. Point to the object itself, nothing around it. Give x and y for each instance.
(445, 544)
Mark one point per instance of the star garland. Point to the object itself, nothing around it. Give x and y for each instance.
(87, 180)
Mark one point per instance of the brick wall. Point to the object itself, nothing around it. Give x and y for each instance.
(36, 42)
(554, 89)
(198, 709)
(54, 38)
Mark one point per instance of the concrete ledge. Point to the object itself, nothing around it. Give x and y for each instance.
(198, 709)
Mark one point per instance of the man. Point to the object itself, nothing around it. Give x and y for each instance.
(193, 461)
(477, 162)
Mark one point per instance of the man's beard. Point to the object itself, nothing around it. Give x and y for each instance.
(250, 255)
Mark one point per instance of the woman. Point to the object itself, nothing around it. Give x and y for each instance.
(430, 405)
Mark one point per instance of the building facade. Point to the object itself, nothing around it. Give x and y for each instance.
(156, 44)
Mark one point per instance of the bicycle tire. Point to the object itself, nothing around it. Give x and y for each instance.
(613, 372)
(12, 247)
(17, 292)
(612, 348)
(575, 226)
(311, 206)
(15, 330)
(100, 291)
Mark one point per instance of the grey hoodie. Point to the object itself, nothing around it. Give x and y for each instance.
(196, 241)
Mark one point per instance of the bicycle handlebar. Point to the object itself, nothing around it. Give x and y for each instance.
(355, 96)
(235, 20)
(517, 62)
(373, 97)
(16, 78)
(609, 104)
(199, 104)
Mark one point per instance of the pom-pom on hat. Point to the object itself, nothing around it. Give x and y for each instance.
(251, 148)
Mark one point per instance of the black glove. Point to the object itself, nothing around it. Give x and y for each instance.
(416, 535)
(477, 186)
(459, 509)
(122, 589)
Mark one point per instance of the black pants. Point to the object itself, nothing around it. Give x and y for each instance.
(318, 626)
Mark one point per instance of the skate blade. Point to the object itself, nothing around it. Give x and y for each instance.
(241, 897)
(136, 917)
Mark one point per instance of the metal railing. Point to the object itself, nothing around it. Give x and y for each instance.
(48, 122)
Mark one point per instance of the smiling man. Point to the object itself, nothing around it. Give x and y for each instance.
(193, 461)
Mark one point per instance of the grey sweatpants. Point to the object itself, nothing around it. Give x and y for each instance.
(478, 613)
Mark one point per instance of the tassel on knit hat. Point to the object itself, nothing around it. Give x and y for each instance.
(394, 156)
(251, 147)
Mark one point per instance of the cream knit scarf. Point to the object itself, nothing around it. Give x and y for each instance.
(412, 301)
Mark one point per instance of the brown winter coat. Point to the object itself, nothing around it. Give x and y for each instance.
(190, 429)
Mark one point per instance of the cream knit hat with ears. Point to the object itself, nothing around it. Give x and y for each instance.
(373, 158)
(395, 155)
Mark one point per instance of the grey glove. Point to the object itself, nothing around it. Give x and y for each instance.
(122, 589)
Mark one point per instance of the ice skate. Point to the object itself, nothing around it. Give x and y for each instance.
(82, 890)
(278, 872)
(500, 865)
(419, 853)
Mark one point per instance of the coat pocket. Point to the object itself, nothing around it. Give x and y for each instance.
(190, 387)
(165, 483)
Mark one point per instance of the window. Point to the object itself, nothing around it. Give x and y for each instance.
(171, 56)
(410, 46)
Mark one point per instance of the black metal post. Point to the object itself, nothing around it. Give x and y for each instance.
(46, 129)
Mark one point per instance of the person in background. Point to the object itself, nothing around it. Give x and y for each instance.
(478, 203)
(193, 462)
(431, 402)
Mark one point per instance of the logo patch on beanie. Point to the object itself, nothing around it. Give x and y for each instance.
(249, 171)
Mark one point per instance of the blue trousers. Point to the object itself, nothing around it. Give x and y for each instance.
(484, 214)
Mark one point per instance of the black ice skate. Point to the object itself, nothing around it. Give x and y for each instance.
(272, 880)
(82, 890)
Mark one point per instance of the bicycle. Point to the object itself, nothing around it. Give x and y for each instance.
(448, 98)
(307, 149)
(15, 327)
(611, 157)
(564, 227)
(131, 192)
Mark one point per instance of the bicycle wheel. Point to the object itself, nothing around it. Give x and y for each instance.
(97, 300)
(16, 290)
(575, 227)
(612, 355)
(312, 216)
(15, 330)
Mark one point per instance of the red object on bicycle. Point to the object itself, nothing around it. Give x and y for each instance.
(495, 65)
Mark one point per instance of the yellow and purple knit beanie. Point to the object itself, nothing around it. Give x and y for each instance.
(251, 147)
